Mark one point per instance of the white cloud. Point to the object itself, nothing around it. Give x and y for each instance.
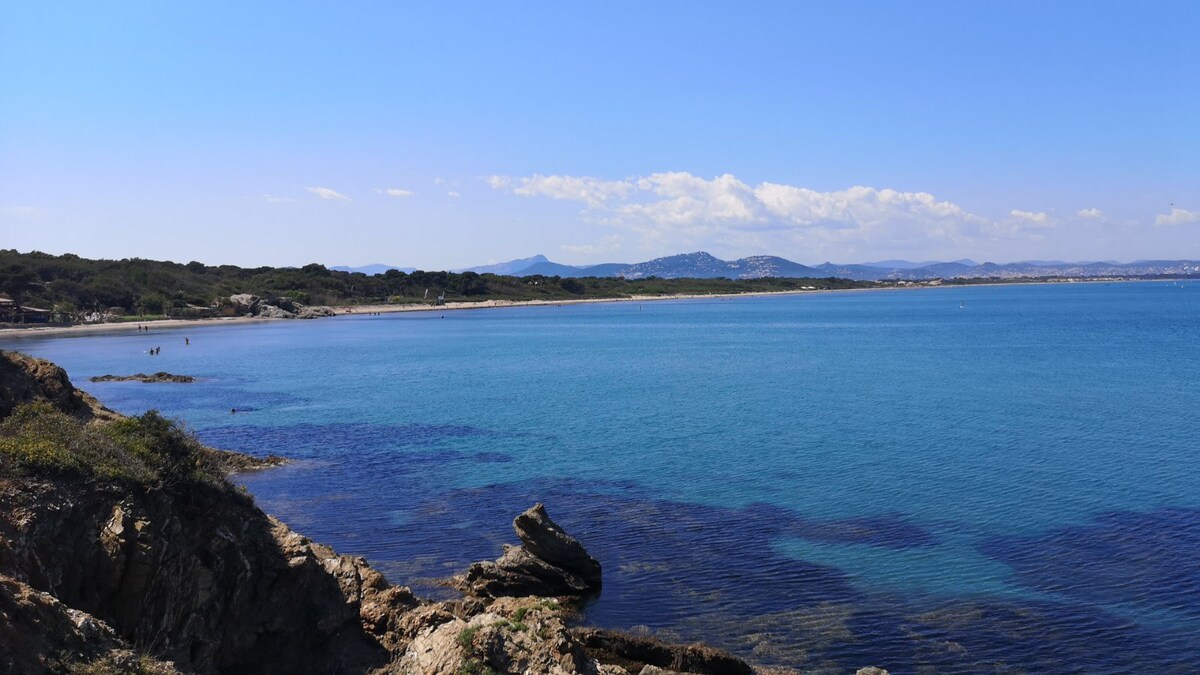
(1092, 213)
(454, 195)
(857, 206)
(678, 209)
(591, 191)
(1034, 217)
(327, 193)
(1178, 216)
(687, 200)
(397, 192)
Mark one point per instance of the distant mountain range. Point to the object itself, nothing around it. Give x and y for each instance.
(701, 265)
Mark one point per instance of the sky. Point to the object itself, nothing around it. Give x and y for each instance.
(447, 134)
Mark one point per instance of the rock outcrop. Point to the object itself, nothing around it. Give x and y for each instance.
(276, 308)
(24, 379)
(197, 575)
(636, 652)
(549, 562)
(315, 312)
(34, 622)
(143, 377)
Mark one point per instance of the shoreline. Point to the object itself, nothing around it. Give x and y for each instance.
(350, 310)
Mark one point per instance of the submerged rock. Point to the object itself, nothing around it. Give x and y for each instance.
(548, 563)
(647, 655)
(239, 462)
(142, 377)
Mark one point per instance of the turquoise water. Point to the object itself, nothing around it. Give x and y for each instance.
(824, 481)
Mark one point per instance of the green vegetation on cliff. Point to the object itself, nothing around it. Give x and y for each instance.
(69, 283)
(150, 450)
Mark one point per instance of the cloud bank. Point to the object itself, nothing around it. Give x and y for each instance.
(678, 209)
(1178, 216)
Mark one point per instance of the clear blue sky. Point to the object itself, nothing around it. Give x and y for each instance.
(271, 133)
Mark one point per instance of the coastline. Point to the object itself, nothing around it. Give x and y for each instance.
(342, 310)
(345, 310)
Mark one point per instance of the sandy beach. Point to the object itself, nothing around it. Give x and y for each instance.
(342, 310)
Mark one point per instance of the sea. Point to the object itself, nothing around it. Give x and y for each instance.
(956, 479)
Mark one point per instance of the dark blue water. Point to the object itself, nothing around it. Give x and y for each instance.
(824, 481)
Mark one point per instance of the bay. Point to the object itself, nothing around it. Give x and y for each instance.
(982, 478)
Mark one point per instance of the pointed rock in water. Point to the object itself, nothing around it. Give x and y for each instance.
(544, 539)
(549, 563)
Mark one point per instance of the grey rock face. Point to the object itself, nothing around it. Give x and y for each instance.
(549, 563)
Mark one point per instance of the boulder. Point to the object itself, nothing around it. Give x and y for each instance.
(544, 539)
(549, 563)
(314, 312)
(244, 303)
(273, 312)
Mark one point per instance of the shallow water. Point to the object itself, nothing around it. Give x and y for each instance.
(827, 481)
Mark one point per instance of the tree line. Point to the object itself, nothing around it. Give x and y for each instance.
(69, 284)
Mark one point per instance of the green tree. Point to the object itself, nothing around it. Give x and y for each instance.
(16, 281)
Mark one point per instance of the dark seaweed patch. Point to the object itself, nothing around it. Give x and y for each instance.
(1124, 557)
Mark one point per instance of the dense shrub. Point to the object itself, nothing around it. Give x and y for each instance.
(150, 450)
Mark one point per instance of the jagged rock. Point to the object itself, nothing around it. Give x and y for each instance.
(511, 635)
(544, 539)
(871, 670)
(274, 312)
(200, 573)
(244, 303)
(276, 308)
(548, 563)
(238, 462)
(314, 312)
(142, 377)
(24, 379)
(39, 634)
(635, 653)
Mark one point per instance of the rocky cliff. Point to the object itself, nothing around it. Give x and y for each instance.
(156, 563)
